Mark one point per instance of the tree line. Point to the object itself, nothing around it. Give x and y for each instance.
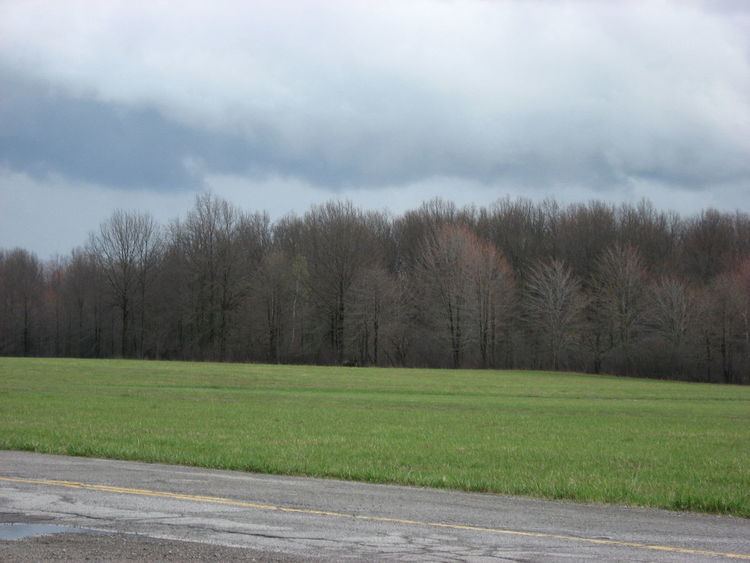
(596, 287)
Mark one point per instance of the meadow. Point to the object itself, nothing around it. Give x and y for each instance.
(588, 438)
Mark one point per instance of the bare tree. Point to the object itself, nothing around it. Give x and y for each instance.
(708, 247)
(554, 307)
(585, 231)
(337, 245)
(670, 316)
(402, 328)
(520, 230)
(79, 288)
(491, 282)
(122, 247)
(723, 304)
(372, 300)
(620, 294)
(215, 265)
(288, 238)
(149, 247)
(443, 282)
(742, 278)
(274, 291)
(430, 287)
(21, 285)
(655, 234)
(414, 226)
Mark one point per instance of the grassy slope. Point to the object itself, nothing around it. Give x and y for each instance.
(587, 438)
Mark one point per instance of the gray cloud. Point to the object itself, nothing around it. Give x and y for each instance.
(47, 132)
(601, 99)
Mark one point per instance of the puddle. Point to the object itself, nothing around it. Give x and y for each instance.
(21, 531)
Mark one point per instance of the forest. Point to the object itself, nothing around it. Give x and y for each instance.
(596, 287)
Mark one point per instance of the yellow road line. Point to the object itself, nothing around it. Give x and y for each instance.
(384, 519)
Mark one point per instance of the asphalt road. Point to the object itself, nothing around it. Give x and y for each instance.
(127, 510)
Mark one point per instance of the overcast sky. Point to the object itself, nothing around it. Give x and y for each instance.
(278, 105)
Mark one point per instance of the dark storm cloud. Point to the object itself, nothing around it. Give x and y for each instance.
(279, 105)
(46, 130)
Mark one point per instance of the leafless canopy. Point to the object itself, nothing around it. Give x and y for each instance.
(595, 287)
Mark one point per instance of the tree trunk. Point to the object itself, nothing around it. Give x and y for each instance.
(340, 327)
(125, 319)
(25, 327)
(143, 320)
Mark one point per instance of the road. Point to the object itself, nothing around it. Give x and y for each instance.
(121, 510)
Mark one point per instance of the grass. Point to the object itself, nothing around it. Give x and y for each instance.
(563, 436)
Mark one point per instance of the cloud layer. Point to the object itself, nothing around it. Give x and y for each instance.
(545, 97)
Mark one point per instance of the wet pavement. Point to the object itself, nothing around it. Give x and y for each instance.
(19, 531)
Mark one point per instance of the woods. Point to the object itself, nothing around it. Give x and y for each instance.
(594, 287)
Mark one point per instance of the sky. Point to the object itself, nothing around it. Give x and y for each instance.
(280, 105)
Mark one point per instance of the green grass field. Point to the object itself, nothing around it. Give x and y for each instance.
(565, 436)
